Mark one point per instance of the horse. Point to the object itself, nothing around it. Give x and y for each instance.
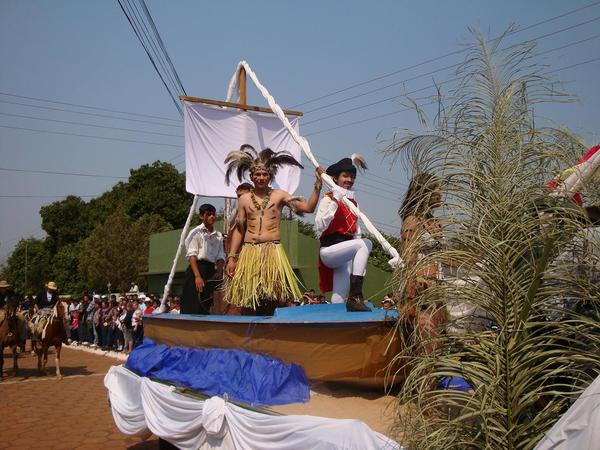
(11, 332)
(52, 334)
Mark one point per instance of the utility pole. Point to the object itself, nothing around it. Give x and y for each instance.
(26, 285)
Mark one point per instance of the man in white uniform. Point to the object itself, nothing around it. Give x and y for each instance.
(206, 256)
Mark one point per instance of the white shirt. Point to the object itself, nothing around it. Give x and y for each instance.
(326, 212)
(206, 245)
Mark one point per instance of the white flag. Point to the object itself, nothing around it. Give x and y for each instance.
(212, 132)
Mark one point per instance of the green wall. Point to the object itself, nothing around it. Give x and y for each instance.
(302, 252)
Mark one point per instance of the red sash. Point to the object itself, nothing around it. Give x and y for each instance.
(344, 222)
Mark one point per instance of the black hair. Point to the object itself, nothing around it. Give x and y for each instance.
(207, 207)
(417, 198)
(244, 186)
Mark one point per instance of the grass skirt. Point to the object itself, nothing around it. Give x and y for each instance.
(263, 273)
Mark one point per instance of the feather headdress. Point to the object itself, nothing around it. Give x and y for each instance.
(246, 159)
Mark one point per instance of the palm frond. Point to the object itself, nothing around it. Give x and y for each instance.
(518, 261)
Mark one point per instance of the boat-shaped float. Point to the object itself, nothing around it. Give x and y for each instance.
(330, 343)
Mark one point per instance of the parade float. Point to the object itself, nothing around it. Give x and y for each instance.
(203, 381)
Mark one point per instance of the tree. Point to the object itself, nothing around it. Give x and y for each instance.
(27, 268)
(379, 257)
(65, 222)
(117, 250)
(64, 269)
(158, 189)
(100, 208)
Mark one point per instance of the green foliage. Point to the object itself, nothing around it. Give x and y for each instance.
(306, 228)
(379, 257)
(158, 189)
(65, 221)
(65, 269)
(153, 198)
(28, 266)
(100, 208)
(520, 260)
(117, 250)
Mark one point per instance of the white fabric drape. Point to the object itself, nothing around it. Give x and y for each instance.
(579, 427)
(141, 406)
(212, 132)
(396, 261)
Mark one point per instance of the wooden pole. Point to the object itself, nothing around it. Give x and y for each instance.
(244, 106)
(242, 87)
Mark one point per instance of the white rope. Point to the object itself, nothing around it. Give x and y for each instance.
(396, 261)
(163, 308)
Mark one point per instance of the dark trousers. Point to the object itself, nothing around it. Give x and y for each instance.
(193, 302)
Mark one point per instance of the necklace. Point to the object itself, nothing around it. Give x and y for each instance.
(265, 201)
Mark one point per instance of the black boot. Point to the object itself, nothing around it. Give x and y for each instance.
(355, 298)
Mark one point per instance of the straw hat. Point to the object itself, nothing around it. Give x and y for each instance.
(51, 286)
(4, 284)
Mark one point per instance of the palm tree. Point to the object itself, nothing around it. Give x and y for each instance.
(515, 255)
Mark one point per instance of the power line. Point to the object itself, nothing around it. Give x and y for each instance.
(143, 29)
(341, 126)
(436, 71)
(47, 196)
(90, 125)
(162, 46)
(89, 136)
(49, 108)
(88, 107)
(49, 172)
(362, 191)
(437, 58)
(407, 109)
(456, 78)
(149, 47)
(361, 121)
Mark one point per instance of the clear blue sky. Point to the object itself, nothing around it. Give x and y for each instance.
(84, 52)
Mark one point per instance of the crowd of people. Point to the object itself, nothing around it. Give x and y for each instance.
(108, 322)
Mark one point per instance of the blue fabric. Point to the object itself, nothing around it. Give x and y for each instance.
(246, 377)
(455, 384)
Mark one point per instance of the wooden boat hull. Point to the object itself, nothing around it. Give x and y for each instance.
(329, 343)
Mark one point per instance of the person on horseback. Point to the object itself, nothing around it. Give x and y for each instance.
(46, 298)
(43, 305)
(5, 292)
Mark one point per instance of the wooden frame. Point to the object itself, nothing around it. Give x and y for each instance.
(207, 101)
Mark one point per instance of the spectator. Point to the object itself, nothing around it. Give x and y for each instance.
(175, 308)
(117, 330)
(138, 326)
(308, 297)
(127, 327)
(105, 325)
(387, 303)
(82, 329)
(149, 309)
(95, 320)
(75, 324)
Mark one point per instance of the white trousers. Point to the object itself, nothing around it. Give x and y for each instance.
(345, 258)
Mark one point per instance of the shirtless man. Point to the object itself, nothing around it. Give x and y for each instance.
(261, 275)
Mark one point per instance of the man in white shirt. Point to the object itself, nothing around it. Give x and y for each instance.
(206, 256)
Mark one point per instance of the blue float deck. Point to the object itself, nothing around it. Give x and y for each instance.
(309, 314)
